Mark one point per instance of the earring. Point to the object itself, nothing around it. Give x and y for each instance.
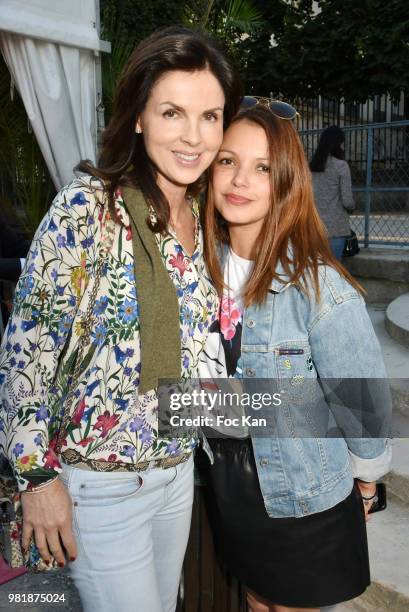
(138, 129)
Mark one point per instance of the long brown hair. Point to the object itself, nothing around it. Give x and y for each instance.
(123, 159)
(293, 233)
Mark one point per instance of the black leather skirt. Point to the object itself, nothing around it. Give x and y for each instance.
(314, 561)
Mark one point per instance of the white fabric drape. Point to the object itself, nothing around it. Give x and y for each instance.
(57, 85)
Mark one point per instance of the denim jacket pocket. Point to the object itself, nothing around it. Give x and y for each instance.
(304, 410)
(294, 361)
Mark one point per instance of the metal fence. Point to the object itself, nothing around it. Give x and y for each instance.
(378, 155)
(319, 112)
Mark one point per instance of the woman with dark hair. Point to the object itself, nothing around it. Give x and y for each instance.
(331, 178)
(114, 297)
(289, 497)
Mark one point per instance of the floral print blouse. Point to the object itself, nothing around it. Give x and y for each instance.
(110, 421)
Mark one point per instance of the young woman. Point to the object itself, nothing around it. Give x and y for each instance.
(288, 519)
(331, 179)
(118, 503)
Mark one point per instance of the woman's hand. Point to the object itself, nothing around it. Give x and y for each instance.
(367, 489)
(48, 514)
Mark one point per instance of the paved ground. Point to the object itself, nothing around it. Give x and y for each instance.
(48, 583)
(59, 582)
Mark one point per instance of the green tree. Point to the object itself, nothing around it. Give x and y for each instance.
(349, 48)
(231, 21)
(126, 22)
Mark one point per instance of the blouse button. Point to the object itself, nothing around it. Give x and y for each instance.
(251, 323)
(250, 372)
(263, 462)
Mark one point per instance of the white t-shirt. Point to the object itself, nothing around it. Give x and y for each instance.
(221, 357)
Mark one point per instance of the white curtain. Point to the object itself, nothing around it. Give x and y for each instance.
(57, 85)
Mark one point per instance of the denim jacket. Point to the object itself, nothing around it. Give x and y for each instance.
(293, 338)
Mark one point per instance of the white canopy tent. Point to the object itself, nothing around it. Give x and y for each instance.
(52, 48)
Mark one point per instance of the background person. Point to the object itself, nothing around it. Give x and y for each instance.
(331, 179)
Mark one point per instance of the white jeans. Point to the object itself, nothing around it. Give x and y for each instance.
(131, 530)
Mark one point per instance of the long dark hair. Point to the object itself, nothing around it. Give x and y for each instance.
(330, 143)
(292, 220)
(123, 159)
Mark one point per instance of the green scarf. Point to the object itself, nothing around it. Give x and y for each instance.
(157, 300)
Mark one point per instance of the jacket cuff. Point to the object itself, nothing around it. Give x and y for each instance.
(34, 481)
(31, 470)
(370, 470)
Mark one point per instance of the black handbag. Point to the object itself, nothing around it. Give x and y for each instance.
(351, 246)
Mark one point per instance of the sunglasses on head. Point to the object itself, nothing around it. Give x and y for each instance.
(280, 109)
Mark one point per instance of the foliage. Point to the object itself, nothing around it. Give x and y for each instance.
(223, 16)
(126, 22)
(337, 48)
(136, 19)
(348, 48)
(231, 21)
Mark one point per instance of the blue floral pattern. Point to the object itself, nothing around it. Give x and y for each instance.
(110, 421)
